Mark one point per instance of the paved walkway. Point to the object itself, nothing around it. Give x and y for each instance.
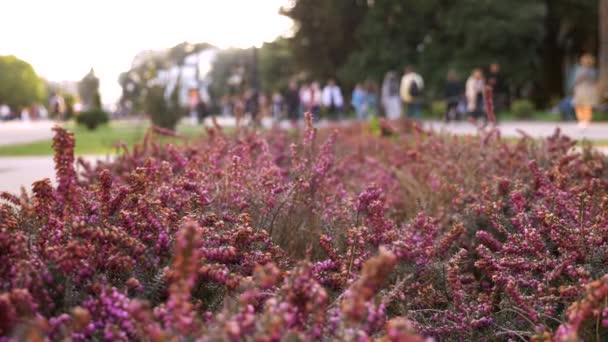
(597, 131)
(17, 132)
(16, 172)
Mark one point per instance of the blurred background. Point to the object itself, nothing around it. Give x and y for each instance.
(167, 60)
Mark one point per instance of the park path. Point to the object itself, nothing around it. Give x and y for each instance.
(16, 172)
(23, 171)
(18, 132)
(595, 132)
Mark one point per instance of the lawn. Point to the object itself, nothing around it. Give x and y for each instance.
(100, 141)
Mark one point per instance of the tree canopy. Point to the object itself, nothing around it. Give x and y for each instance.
(19, 83)
(88, 91)
(532, 39)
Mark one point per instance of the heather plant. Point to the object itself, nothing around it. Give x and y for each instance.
(396, 234)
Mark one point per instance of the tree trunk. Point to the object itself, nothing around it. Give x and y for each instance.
(552, 80)
(603, 58)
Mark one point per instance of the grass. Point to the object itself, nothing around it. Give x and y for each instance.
(99, 142)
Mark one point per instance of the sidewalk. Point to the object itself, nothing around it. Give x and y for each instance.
(17, 132)
(597, 131)
(23, 171)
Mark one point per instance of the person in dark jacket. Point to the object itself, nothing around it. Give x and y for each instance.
(292, 101)
(500, 88)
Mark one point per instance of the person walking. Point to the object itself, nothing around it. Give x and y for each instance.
(412, 86)
(332, 99)
(5, 112)
(371, 98)
(453, 94)
(500, 88)
(391, 103)
(292, 101)
(310, 97)
(278, 103)
(358, 102)
(474, 90)
(585, 90)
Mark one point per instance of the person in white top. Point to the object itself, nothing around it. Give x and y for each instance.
(474, 90)
(390, 96)
(310, 98)
(5, 112)
(411, 89)
(332, 99)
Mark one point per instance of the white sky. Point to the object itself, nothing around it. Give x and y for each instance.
(63, 39)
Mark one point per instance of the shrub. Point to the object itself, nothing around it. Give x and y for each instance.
(93, 118)
(163, 112)
(522, 109)
(438, 109)
(312, 235)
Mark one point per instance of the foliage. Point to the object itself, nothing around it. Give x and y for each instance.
(522, 109)
(88, 91)
(438, 109)
(143, 76)
(275, 68)
(231, 71)
(91, 119)
(437, 35)
(312, 235)
(19, 84)
(320, 45)
(276, 65)
(163, 112)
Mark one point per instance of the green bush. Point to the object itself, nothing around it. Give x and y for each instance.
(93, 118)
(163, 113)
(522, 109)
(438, 109)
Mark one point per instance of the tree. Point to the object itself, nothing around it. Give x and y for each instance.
(324, 37)
(276, 64)
(162, 111)
(436, 35)
(232, 70)
(532, 39)
(88, 91)
(229, 72)
(19, 83)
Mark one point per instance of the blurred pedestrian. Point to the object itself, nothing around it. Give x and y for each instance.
(226, 106)
(292, 101)
(358, 101)
(475, 87)
(238, 108)
(277, 106)
(5, 112)
(310, 97)
(332, 99)
(57, 106)
(500, 88)
(585, 90)
(452, 93)
(412, 87)
(252, 106)
(371, 98)
(202, 110)
(25, 115)
(391, 101)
